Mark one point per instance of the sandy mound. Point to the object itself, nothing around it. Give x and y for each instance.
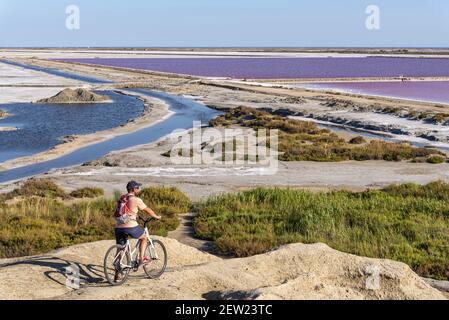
(75, 96)
(4, 129)
(295, 271)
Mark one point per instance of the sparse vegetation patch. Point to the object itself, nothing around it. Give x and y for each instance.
(305, 141)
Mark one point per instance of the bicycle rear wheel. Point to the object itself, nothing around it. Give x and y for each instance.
(116, 266)
(158, 255)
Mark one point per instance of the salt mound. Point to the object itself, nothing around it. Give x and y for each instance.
(75, 96)
(296, 271)
(4, 129)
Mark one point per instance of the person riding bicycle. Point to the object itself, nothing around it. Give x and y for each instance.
(131, 227)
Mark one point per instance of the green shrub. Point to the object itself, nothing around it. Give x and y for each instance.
(167, 202)
(87, 192)
(436, 159)
(357, 140)
(438, 190)
(423, 115)
(161, 197)
(39, 188)
(408, 223)
(42, 222)
(440, 117)
(391, 110)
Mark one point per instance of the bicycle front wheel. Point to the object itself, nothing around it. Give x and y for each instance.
(116, 265)
(158, 259)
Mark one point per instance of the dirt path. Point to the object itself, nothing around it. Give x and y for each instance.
(185, 234)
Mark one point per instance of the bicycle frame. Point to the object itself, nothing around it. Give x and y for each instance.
(127, 249)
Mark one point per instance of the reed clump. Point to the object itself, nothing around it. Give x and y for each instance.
(407, 223)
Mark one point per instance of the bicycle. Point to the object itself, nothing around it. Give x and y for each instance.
(123, 260)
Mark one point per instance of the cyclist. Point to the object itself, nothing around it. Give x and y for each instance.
(132, 228)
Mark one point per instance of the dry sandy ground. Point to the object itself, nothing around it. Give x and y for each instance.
(295, 271)
(27, 94)
(7, 129)
(17, 76)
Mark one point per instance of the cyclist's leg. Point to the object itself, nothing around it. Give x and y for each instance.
(139, 233)
(143, 246)
(120, 238)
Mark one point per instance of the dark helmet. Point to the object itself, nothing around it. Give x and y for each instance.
(132, 185)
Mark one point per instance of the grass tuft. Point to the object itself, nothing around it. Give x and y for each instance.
(39, 188)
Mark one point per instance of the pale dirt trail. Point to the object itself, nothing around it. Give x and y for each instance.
(295, 271)
(185, 234)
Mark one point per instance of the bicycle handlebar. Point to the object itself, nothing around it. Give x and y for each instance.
(146, 221)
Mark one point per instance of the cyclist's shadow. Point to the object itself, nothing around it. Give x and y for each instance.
(77, 274)
(66, 272)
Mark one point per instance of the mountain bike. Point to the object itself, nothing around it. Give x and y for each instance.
(121, 260)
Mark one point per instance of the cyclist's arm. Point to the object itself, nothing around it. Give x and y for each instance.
(143, 207)
(152, 213)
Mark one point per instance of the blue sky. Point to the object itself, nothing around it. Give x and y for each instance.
(166, 23)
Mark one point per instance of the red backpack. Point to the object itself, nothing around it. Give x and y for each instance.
(122, 210)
